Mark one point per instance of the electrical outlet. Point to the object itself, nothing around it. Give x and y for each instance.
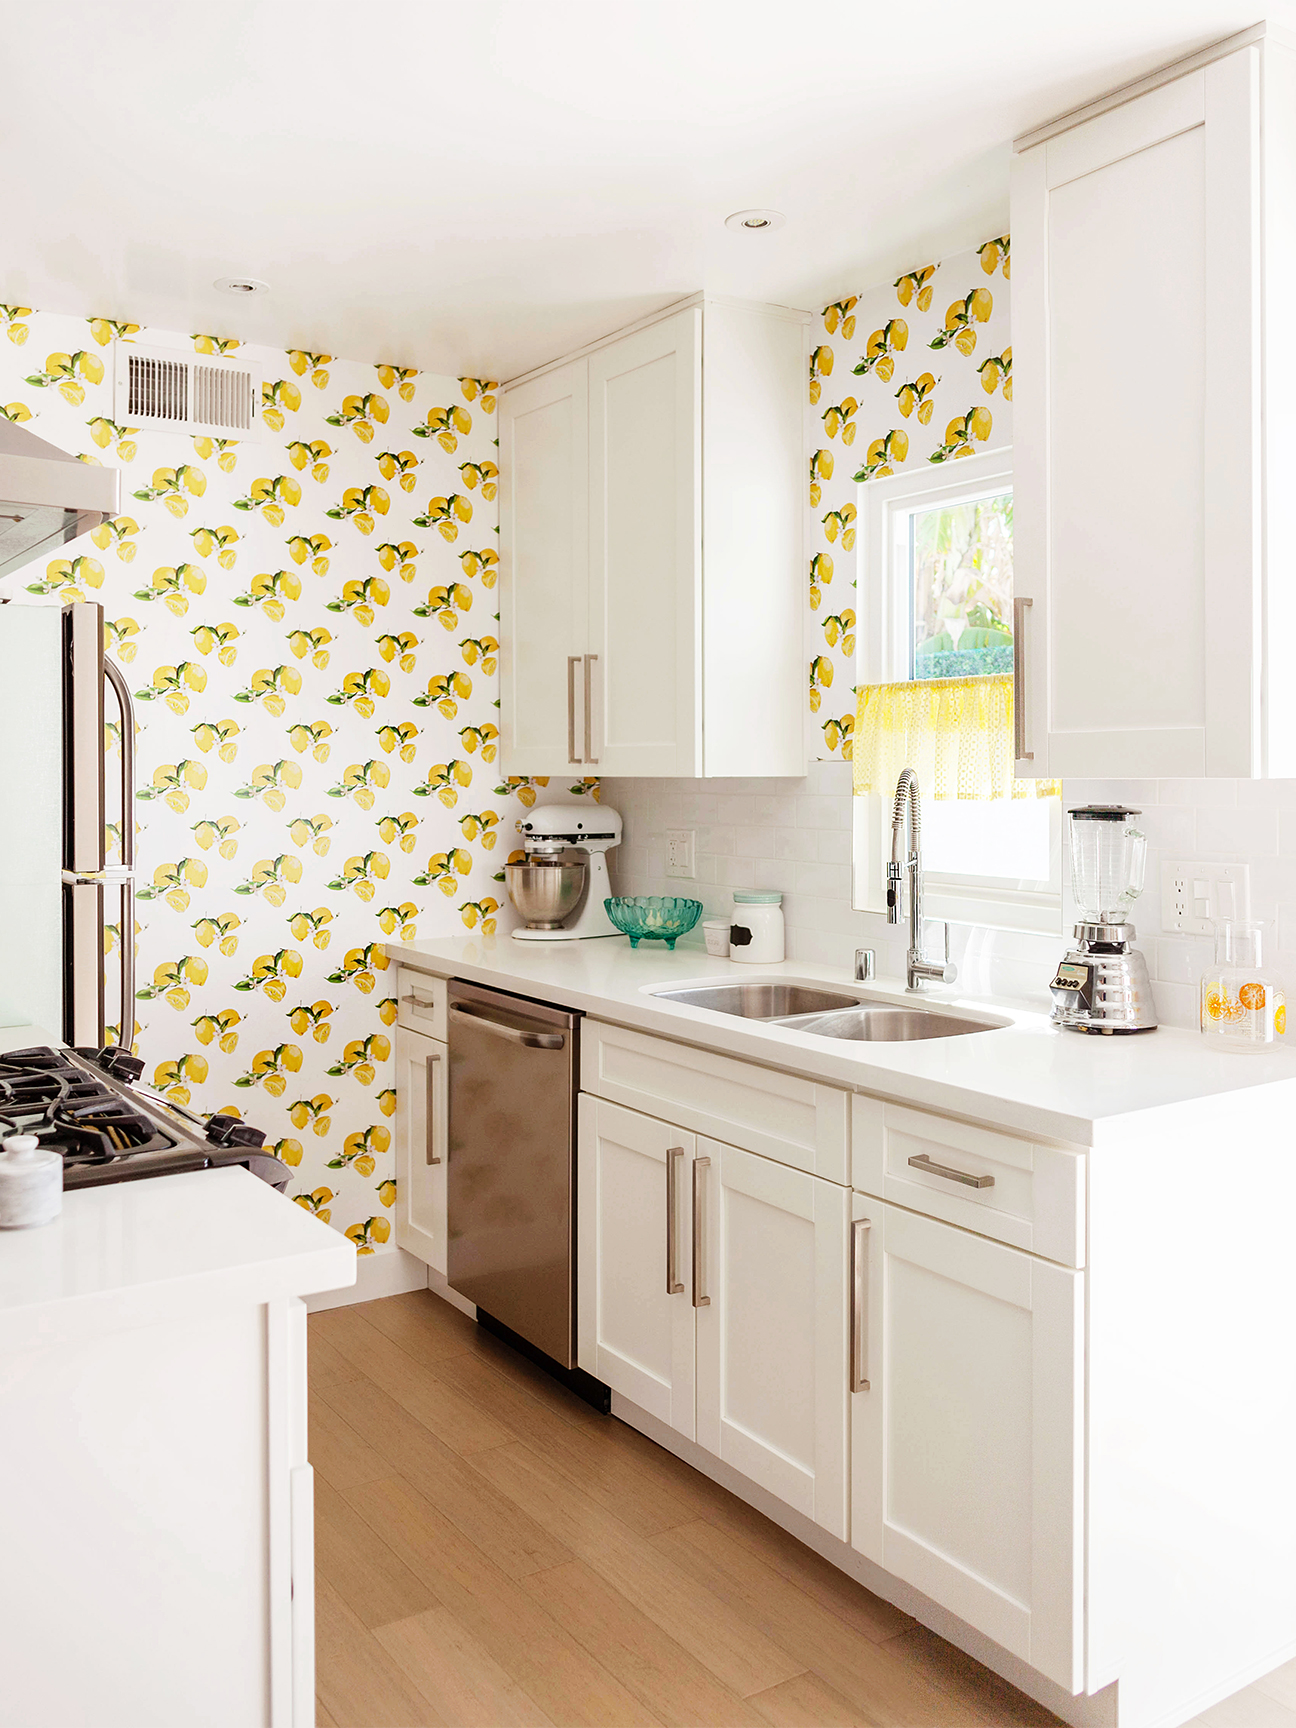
(1196, 895)
(679, 852)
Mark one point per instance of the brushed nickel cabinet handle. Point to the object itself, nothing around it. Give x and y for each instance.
(590, 662)
(921, 1161)
(700, 1168)
(1020, 752)
(674, 1285)
(859, 1381)
(429, 1125)
(573, 661)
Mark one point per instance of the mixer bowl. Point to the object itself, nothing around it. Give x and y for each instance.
(544, 893)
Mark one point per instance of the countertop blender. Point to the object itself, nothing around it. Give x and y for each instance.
(1102, 985)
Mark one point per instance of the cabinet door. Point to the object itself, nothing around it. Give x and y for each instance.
(771, 1284)
(1136, 336)
(634, 1323)
(544, 556)
(421, 1140)
(967, 1457)
(645, 410)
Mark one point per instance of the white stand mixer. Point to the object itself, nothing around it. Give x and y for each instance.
(547, 890)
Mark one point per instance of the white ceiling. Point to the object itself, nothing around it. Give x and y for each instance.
(477, 186)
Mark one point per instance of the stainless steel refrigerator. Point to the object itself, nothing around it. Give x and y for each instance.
(58, 891)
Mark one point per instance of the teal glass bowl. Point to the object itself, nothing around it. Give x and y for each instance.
(652, 917)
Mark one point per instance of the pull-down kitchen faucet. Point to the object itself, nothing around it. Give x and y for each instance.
(918, 969)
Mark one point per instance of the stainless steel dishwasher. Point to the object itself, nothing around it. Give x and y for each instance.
(511, 1164)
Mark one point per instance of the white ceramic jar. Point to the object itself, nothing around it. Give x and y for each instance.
(756, 934)
(31, 1183)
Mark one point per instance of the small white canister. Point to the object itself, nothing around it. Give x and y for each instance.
(756, 934)
(716, 933)
(31, 1183)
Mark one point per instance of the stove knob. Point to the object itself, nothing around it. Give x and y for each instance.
(120, 1063)
(229, 1131)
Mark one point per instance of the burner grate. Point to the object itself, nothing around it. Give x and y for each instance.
(71, 1111)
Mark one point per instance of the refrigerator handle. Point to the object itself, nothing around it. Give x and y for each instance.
(126, 1025)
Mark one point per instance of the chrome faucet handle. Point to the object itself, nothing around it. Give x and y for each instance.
(922, 971)
(865, 965)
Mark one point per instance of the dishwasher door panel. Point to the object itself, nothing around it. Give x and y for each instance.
(511, 1166)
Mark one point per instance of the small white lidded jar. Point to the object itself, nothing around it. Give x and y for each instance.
(716, 933)
(31, 1183)
(756, 934)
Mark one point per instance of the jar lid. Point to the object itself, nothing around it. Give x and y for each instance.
(757, 897)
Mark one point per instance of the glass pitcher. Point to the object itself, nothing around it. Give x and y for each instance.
(1108, 858)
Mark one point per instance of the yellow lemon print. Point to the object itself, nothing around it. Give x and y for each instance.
(1280, 1018)
(1213, 1005)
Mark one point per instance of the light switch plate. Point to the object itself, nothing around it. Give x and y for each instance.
(1196, 894)
(680, 852)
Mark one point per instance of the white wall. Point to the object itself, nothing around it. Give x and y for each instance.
(795, 835)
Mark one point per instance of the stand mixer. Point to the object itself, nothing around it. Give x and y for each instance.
(1102, 985)
(547, 888)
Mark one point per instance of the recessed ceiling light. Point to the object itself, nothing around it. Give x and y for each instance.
(241, 285)
(756, 221)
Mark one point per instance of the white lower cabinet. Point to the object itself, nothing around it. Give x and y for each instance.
(711, 1292)
(772, 1394)
(634, 1312)
(422, 1132)
(967, 1429)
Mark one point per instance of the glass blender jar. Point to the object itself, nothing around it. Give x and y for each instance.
(1102, 985)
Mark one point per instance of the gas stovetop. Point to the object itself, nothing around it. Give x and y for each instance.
(81, 1103)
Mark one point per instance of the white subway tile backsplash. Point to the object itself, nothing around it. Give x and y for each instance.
(822, 811)
(800, 843)
(1237, 831)
(795, 835)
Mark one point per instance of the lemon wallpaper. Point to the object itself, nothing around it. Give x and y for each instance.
(309, 623)
(912, 372)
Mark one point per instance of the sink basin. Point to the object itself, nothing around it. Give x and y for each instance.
(876, 1022)
(831, 1013)
(757, 1001)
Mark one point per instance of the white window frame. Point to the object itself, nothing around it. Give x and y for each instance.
(883, 656)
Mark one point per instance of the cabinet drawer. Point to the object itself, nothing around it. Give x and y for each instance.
(421, 1003)
(1033, 1198)
(777, 1115)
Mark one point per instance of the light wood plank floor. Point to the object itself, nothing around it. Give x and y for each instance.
(491, 1553)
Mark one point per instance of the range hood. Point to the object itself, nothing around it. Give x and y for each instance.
(47, 497)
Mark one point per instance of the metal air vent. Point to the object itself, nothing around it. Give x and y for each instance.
(159, 387)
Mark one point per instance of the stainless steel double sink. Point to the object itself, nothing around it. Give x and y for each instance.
(831, 1013)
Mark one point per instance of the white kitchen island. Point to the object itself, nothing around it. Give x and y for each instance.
(156, 1519)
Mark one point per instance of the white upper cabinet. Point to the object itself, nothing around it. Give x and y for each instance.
(651, 553)
(1143, 240)
(544, 510)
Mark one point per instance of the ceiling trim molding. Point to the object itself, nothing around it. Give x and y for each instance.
(1153, 80)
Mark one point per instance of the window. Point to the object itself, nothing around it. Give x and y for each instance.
(936, 602)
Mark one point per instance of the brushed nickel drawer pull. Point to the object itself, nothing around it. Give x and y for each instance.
(429, 1125)
(419, 1001)
(922, 1162)
(859, 1381)
(674, 1285)
(1020, 606)
(590, 662)
(573, 661)
(700, 1168)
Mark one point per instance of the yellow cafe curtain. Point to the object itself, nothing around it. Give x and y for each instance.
(955, 733)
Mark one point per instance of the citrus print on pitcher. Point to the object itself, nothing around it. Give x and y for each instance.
(1242, 1006)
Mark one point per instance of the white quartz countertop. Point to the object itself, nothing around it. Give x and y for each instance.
(123, 1253)
(1030, 1076)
